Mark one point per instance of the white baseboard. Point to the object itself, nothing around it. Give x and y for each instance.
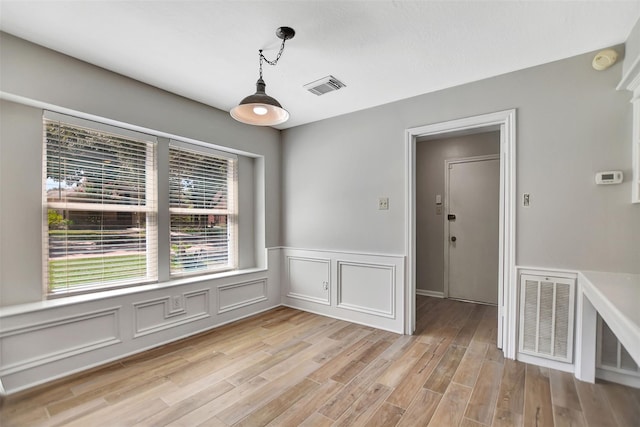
(345, 318)
(546, 363)
(616, 377)
(426, 293)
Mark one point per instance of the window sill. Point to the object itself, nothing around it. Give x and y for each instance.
(61, 301)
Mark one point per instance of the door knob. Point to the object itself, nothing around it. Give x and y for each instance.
(453, 238)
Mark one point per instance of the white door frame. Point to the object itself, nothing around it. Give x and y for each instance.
(448, 162)
(507, 291)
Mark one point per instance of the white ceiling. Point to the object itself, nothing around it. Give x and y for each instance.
(383, 50)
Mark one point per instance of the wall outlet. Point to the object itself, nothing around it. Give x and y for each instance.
(176, 302)
(383, 203)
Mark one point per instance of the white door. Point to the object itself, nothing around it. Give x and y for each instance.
(472, 221)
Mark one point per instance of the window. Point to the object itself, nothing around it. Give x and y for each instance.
(202, 198)
(100, 198)
(103, 223)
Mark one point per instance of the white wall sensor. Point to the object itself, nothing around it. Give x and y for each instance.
(604, 59)
(609, 177)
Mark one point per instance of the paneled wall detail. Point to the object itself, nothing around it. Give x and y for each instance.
(308, 279)
(361, 288)
(170, 311)
(368, 288)
(234, 296)
(44, 341)
(37, 344)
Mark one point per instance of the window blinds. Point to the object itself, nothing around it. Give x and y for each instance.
(100, 190)
(202, 200)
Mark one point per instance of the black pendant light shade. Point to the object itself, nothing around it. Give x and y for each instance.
(260, 109)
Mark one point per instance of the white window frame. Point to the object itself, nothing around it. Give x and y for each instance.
(156, 242)
(231, 212)
(150, 209)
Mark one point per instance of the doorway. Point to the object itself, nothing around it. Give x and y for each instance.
(505, 122)
(471, 228)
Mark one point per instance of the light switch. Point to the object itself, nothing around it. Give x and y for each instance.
(438, 199)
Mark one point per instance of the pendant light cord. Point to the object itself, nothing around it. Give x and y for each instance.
(275, 61)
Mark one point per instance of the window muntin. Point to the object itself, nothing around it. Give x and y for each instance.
(202, 205)
(101, 211)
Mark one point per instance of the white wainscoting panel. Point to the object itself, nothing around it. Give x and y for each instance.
(159, 314)
(361, 288)
(45, 342)
(236, 295)
(368, 288)
(308, 279)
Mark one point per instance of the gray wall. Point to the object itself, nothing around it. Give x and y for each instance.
(571, 123)
(430, 158)
(36, 74)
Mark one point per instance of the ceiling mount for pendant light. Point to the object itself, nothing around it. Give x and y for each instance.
(260, 109)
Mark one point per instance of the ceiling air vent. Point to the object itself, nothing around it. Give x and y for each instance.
(324, 85)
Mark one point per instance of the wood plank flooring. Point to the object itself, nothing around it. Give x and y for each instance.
(290, 368)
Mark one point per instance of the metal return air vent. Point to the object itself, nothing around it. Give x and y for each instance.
(324, 85)
(546, 316)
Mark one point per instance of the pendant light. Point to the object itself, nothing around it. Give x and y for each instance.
(261, 109)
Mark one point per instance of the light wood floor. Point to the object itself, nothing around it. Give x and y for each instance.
(290, 368)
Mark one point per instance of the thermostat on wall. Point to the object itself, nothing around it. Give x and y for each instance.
(609, 177)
